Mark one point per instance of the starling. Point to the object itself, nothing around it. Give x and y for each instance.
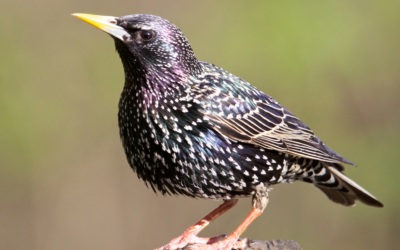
(191, 128)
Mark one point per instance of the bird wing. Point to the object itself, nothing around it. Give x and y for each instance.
(243, 113)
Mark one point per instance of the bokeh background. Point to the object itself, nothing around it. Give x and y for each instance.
(64, 180)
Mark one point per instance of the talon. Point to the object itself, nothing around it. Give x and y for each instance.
(190, 242)
(216, 238)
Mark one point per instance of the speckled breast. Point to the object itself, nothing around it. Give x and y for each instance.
(173, 148)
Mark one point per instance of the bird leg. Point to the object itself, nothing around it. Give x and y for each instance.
(260, 201)
(189, 236)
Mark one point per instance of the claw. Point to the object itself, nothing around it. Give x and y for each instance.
(227, 244)
(216, 238)
(184, 242)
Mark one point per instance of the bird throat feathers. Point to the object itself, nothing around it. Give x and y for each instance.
(166, 76)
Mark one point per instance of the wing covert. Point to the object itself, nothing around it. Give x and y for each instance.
(246, 114)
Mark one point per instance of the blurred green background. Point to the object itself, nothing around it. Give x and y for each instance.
(64, 180)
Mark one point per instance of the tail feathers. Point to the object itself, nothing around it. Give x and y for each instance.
(338, 196)
(341, 189)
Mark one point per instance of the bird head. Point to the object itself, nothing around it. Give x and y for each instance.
(147, 44)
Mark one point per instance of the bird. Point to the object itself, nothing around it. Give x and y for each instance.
(191, 128)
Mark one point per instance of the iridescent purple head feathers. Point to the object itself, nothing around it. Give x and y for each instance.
(156, 44)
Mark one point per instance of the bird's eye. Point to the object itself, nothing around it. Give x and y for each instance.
(146, 35)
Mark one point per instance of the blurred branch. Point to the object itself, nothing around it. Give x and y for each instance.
(271, 245)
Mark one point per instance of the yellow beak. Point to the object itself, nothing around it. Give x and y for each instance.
(105, 23)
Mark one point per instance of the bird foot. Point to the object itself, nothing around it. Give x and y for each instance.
(190, 239)
(226, 244)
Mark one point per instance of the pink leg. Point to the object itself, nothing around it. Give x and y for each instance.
(231, 242)
(189, 236)
(260, 201)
